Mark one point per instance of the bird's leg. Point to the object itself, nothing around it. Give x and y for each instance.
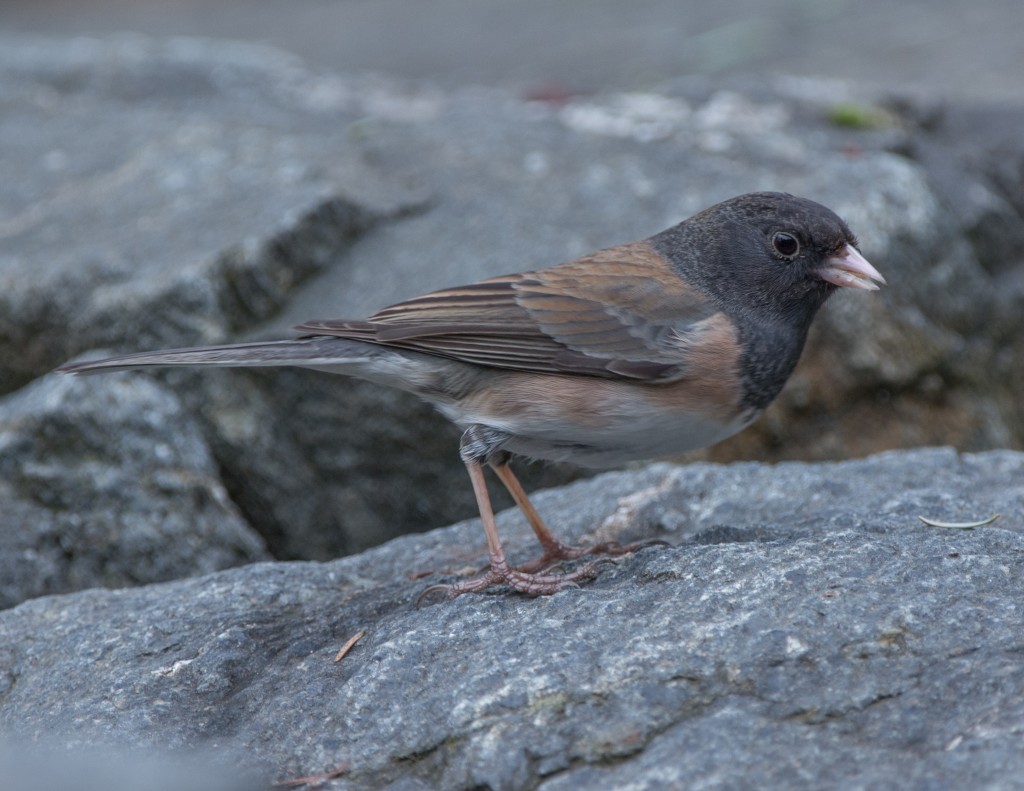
(554, 550)
(479, 442)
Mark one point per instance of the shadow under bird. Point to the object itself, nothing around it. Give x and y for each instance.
(638, 351)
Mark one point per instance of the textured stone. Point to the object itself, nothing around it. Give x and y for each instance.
(805, 629)
(107, 485)
(166, 192)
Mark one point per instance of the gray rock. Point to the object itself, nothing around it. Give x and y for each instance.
(210, 180)
(805, 630)
(106, 485)
(25, 766)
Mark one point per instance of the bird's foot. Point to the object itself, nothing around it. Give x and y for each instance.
(556, 552)
(518, 580)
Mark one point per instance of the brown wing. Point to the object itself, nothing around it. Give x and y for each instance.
(619, 312)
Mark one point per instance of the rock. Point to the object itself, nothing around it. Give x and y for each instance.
(106, 485)
(806, 627)
(226, 191)
(210, 183)
(110, 770)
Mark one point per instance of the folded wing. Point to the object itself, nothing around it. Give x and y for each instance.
(612, 314)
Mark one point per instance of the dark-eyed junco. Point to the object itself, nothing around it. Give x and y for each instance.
(643, 350)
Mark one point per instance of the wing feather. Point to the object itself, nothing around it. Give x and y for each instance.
(620, 312)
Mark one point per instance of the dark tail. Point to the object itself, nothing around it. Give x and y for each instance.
(306, 352)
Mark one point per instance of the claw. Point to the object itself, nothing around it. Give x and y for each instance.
(527, 584)
(555, 552)
(533, 579)
(433, 589)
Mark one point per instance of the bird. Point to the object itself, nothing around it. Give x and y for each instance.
(639, 351)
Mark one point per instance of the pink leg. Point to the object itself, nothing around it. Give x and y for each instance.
(555, 550)
(500, 571)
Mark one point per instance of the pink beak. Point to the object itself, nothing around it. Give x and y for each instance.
(849, 269)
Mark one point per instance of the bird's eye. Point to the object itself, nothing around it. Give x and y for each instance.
(785, 244)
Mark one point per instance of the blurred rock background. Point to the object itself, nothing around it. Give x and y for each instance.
(187, 172)
(963, 49)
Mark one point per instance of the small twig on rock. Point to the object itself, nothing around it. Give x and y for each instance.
(958, 525)
(348, 645)
(313, 781)
(465, 571)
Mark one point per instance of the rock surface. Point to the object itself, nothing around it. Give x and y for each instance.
(805, 630)
(164, 193)
(226, 191)
(97, 492)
